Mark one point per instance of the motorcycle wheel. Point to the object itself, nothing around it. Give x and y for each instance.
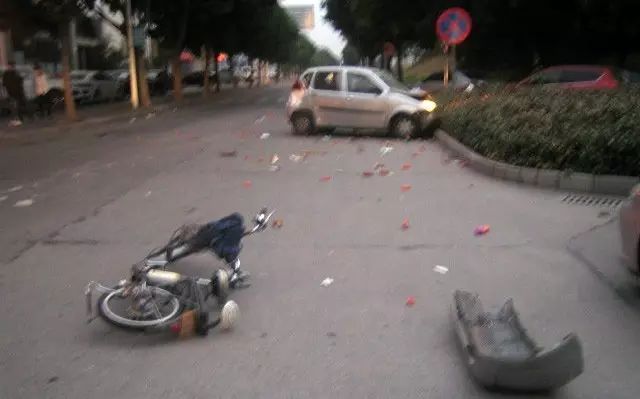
(111, 304)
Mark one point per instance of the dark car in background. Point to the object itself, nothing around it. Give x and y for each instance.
(458, 80)
(159, 82)
(581, 77)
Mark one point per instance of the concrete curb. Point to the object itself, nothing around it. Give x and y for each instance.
(548, 178)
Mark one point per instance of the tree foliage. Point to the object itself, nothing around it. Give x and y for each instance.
(517, 33)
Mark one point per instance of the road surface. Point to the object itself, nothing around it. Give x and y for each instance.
(99, 200)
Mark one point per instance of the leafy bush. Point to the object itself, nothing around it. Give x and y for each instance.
(581, 131)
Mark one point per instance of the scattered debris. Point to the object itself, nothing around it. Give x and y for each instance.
(150, 115)
(52, 379)
(462, 162)
(263, 335)
(23, 203)
(326, 138)
(277, 224)
(326, 282)
(441, 269)
(378, 165)
(76, 175)
(296, 158)
(405, 224)
(247, 183)
(339, 170)
(482, 230)
(14, 189)
(385, 149)
(265, 136)
(325, 178)
(367, 173)
(148, 194)
(601, 214)
(229, 154)
(405, 187)
(410, 301)
(331, 334)
(175, 109)
(274, 159)
(3, 198)
(385, 172)
(260, 119)
(406, 166)
(274, 168)
(132, 120)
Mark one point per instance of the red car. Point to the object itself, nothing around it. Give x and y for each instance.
(582, 77)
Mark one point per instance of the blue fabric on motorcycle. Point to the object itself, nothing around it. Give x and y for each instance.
(223, 236)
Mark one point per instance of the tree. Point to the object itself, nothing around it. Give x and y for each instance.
(350, 55)
(55, 17)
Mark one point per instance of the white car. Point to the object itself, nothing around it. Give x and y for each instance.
(357, 98)
(93, 86)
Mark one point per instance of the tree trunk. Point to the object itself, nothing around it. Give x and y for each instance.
(259, 73)
(69, 103)
(217, 66)
(176, 69)
(400, 54)
(143, 83)
(206, 84)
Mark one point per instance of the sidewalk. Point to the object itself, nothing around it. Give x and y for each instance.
(95, 114)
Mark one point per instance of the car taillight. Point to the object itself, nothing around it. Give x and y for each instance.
(297, 85)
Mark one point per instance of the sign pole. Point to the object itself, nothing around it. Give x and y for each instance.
(446, 65)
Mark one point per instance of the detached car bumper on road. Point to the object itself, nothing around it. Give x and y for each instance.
(629, 223)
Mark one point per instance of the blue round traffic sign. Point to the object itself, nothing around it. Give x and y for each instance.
(453, 26)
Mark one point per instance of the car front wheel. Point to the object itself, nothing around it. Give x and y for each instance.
(302, 124)
(404, 126)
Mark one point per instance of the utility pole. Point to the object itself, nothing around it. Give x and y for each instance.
(133, 76)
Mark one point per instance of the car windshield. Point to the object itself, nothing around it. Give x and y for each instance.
(390, 80)
(77, 75)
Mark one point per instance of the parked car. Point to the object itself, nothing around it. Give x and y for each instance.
(581, 77)
(55, 93)
(93, 86)
(629, 223)
(159, 82)
(359, 98)
(457, 80)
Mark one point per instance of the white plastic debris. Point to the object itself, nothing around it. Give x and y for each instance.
(274, 159)
(265, 136)
(23, 203)
(274, 168)
(385, 149)
(148, 194)
(150, 115)
(260, 119)
(296, 158)
(3, 198)
(132, 120)
(326, 138)
(441, 269)
(326, 282)
(14, 189)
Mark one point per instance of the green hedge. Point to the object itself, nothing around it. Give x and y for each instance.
(581, 131)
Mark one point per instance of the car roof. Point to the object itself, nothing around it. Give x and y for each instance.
(346, 68)
(577, 67)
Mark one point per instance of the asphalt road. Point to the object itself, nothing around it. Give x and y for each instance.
(103, 198)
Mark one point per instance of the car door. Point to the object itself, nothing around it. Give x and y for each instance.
(328, 98)
(364, 106)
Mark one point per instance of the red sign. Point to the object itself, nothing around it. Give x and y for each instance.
(453, 26)
(389, 49)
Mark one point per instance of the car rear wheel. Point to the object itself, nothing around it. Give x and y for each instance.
(302, 124)
(404, 126)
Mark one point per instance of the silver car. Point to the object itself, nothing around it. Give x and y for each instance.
(358, 98)
(630, 230)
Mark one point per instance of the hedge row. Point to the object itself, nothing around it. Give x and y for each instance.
(581, 131)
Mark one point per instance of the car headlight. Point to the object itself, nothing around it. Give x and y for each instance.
(428, 105)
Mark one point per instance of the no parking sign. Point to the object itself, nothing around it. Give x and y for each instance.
(453, 26)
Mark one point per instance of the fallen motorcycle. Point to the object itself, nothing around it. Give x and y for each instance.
(155, 299)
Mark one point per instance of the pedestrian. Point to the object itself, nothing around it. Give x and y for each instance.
(13, 84)
(42, 91)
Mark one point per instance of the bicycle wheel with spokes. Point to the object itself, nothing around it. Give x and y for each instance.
(149, 307)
